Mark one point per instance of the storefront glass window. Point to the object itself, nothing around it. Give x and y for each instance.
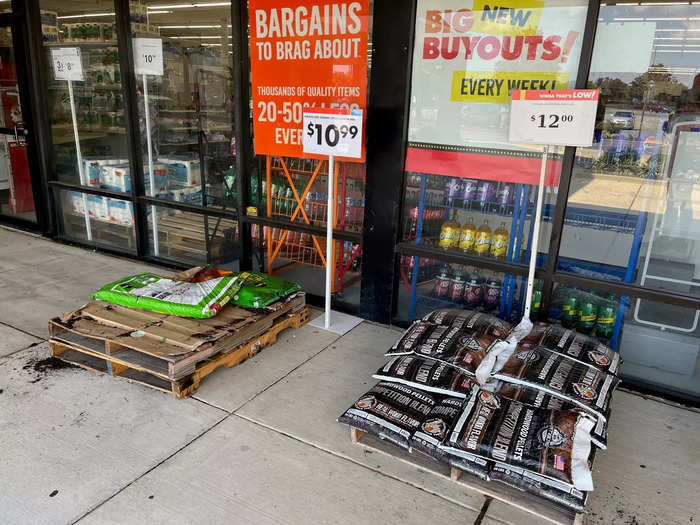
(190, 106)
(109, 221)
(294, 189)
(468, 189)
(98, 100)
(634, 206)
(194, 238)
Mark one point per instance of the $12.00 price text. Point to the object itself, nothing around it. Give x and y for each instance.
(551, 120)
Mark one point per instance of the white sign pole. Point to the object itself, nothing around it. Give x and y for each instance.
(329, 239)
(81, 173)
(535, 235)
(334, 135)
(151, 175)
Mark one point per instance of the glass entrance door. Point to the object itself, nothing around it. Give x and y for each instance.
(16, 195)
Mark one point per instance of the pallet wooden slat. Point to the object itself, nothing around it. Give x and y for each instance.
(168, 346)
(134, 366)
(524, 501)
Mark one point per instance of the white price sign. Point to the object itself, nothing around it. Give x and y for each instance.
(148, 56)
(561, 118)
(67, 63)
(333, 135)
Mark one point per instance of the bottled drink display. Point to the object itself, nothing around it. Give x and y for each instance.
(483, 239)
(486, 193)
(492, 293)
(536, 299)
(467, 237)
(449, 234)
(605, 322)
(456, 288)
(442, 284)
(469, 187)
(570, 313)
(588, 313)
(473, 291)
(499, 246)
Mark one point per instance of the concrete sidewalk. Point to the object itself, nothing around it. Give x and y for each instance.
(259, 442)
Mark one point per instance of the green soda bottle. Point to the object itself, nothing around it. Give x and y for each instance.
(536, 299)
(588, 309)
(605, 322)
(570, 309)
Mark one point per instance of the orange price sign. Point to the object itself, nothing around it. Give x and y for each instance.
(304, 56)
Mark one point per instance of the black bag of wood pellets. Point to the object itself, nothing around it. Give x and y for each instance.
(433, 432)
(451, 345)
(550, 447)
(390, 411)
(577, 346)
(470, 320)
(426, 374)
(542, 399)
(561, 376)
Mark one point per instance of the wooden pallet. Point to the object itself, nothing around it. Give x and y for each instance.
(165, 352)
(524, 501)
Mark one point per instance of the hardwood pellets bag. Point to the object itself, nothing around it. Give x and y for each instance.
(541, 399)
(148, 291)
(426, 374)
(470, 320)
(561, 376)
(390, 411)
(577, 346)
(451, 345)
(550, 447)
(433, 431)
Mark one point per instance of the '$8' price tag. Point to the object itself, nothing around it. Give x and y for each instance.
(336, 135)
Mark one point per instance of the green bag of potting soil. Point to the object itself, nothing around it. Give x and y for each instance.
(149, 291)
(261, 289)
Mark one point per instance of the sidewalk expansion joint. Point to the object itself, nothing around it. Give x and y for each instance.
(148, 471)
(484, 510)
(42, 337)
(356, 462)
(235, 410)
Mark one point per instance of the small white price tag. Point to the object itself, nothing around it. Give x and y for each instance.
(148, 56)
(67, 63)
(336, 135)
(556, 117)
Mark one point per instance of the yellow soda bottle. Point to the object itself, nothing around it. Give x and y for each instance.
(483, 239)
(499, 246)
(449, 234)
(468, 236)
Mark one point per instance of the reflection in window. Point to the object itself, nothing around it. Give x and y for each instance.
(634, 207)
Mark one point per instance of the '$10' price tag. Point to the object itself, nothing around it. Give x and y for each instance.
(333, 135)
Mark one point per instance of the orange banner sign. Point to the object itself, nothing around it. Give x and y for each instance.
(304, 56)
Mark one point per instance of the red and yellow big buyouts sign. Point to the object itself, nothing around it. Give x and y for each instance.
(304, 56)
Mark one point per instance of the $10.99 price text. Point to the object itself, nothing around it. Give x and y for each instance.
(291, 114)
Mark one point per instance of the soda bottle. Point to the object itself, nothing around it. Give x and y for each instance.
(467, 236)
(451, 190)
(483, 239)
(536, 300)
(468, 192)
(486, 193)
(492, 293)
(473, 291)
(605, 322)
(506, 196)
(456, 288)
(449, 234)
(588, 312)
(442, 284)
(570, 309)
(499, 248)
